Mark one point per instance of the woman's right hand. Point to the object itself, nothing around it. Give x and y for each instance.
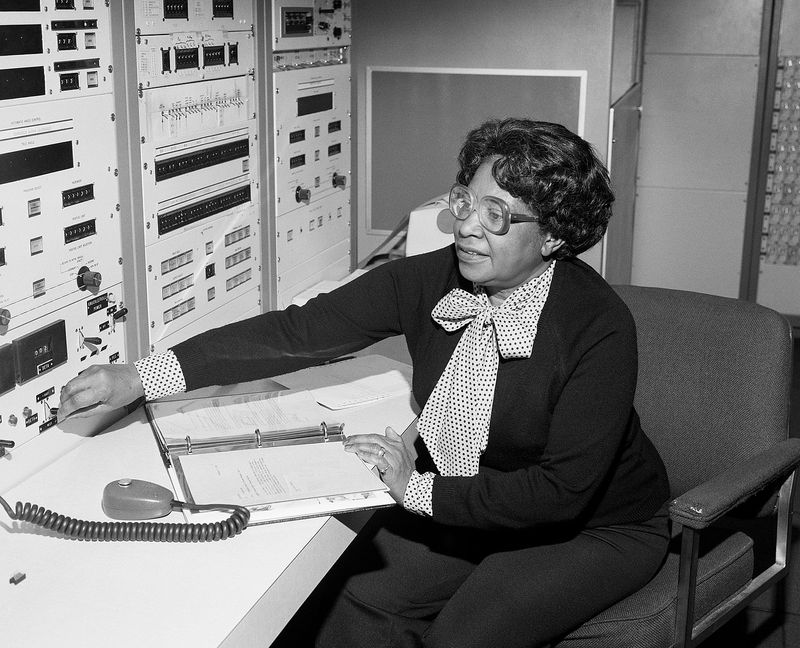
(99, 389)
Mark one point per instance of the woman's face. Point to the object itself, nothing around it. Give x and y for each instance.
(500, 263)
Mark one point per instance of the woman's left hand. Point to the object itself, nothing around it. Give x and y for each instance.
(390, 456)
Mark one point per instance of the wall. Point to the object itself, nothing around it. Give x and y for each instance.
(524, 34)
(699, 91)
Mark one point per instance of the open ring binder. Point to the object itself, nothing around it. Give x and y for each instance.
(322, 433)
(272, 452)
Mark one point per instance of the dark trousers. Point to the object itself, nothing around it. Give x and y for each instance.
(421, 584)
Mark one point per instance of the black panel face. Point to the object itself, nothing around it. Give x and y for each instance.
(16, 83)
(314, 104)
(20, 5)
(20, 39)
(36, 161)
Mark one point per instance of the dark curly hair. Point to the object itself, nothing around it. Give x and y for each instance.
(553, 171)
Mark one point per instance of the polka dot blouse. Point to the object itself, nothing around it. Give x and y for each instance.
(455, 421)
(161, 375)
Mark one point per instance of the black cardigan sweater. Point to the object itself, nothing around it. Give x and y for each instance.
(565, 451)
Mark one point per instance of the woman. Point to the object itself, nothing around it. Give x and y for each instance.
(532, 499)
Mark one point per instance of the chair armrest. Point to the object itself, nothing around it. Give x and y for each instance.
(704, 504)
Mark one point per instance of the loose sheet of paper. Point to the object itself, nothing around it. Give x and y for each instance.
(352, 382)
(278, 474)
(237, 415)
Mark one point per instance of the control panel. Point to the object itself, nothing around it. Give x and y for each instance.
(310, 24)
(53, 49)
(61, 298)
(199, 178)
(312, 170)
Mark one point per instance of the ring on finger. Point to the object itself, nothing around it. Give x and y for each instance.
(381, 452)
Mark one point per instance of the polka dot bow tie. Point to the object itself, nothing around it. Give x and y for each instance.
(455, 421)
(514, 325)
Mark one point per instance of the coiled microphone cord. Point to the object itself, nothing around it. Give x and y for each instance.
(140, 530)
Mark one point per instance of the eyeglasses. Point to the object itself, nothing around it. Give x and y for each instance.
(494, 214)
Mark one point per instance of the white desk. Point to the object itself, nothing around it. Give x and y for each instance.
(236, 592)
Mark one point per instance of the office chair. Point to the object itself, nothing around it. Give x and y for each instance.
(713, 396)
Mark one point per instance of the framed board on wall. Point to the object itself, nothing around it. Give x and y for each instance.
(417, 119)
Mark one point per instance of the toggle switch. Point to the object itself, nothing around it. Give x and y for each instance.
(119, 314)
(4, 444)
(93, 340)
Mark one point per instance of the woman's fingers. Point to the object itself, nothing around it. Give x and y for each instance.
(98, 389)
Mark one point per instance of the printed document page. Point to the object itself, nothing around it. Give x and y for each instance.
(278, 474)
(236, 415)
(351, 382)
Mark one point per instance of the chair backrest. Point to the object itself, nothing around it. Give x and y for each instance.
(714, 379)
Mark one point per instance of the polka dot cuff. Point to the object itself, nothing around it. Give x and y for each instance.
(418, 497)
(161, 375)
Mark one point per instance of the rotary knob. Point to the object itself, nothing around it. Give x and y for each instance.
(339, 180)
(5, 316)
(88, 278)
(302, 195)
